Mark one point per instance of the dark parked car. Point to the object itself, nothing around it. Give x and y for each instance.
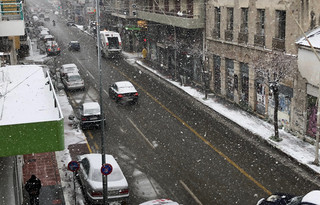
(90, 115)
(52, 48)
(74, 45)
(123, 91)
(311, 198)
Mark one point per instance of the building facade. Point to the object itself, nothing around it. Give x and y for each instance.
(172, 31)
(241, 32)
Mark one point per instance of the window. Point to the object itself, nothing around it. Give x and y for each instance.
(217, 22)
(244, 20)
(281, 24)
(230, 19)
(260, 22)
(177, 6)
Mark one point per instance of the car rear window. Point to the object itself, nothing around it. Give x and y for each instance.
(114, 176)
(74, 78)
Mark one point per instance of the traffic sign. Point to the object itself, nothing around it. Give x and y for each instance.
(73, 166)
(106, 169)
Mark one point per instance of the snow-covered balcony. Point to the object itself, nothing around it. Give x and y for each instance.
(11, 19)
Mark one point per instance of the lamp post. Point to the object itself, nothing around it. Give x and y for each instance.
(103, 155)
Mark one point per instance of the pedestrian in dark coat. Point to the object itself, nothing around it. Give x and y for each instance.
(33, 187)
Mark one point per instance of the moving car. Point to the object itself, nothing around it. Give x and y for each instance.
(90, 178)
(123, 91)
(73, 81)
(311, 198)
(74, 45)
(160, 202)
(90, 115)
(68, 68)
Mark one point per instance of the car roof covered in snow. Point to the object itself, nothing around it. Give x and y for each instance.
(125, 87)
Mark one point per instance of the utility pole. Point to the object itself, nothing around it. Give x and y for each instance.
(103, 154)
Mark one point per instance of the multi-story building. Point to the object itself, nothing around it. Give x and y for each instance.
(171, 30)
(238, 32)
(31, 118)
(12, 26)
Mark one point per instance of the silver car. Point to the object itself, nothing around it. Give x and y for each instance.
(90, 178)
(68, 68)
(73, 81)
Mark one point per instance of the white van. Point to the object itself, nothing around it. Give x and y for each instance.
(110, 43)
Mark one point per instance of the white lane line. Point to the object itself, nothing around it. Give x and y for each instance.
(190, 192)
(90, 74)
(145, 138)
(106, 92)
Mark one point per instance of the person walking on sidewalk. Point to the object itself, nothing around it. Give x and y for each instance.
(33, 187)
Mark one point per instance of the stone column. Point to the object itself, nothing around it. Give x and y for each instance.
(237, 83)
(252, 88)
(223, 76)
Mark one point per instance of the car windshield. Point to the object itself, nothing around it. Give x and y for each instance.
(74, 78)
(70, 69)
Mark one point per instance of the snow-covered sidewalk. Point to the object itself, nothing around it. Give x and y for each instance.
(291, 145)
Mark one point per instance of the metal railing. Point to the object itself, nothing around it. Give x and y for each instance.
(11, 11)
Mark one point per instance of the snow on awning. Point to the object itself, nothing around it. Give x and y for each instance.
(314, 38)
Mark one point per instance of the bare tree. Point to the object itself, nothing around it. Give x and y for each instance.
(275, 68)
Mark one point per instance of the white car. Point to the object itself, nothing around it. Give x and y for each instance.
(90, 178)
(68, 68)
(123, 91)
(160, 202)
(73, 81)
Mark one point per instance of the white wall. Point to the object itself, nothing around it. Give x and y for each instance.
(309, 66)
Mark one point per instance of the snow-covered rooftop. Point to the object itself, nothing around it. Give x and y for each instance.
(313, 37)
(26, 95)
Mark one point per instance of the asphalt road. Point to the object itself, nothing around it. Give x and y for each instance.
(171, 146)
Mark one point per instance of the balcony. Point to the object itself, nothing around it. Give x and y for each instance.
(278, 44)
(11, 19)
(179, 19)
(243, 38)
(259, 40)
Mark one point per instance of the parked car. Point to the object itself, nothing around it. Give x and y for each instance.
(74, 45)
(160, 202)
(68, 68)
(71, 23)
(47, 38)
(52, 48)
(46, 18)
(311, 198)
(89, 115)
(123, 91)
(73, 81)
(90, 178)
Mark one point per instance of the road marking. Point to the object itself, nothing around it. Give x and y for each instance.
(190, 192)
(106, 92)
(89, 148)
(90, 75)
(145, 138)
(90, 135)
(199, 136)
(96, 145)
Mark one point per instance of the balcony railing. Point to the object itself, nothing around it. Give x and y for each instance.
(278, 44)
(259, 40)
(11, 11)
(243, 37)
(228, 35)
(183, 14)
